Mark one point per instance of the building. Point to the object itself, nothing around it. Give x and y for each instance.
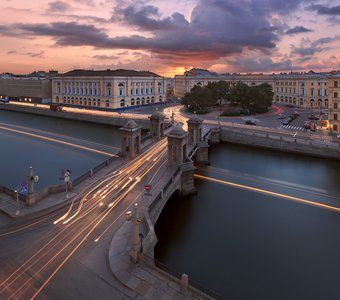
(27, 88)
(112, 89)
(334, 106)
(200, 77)
(308, 90)
(305, 90)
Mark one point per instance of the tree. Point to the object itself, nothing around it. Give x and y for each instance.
(199, 100)
(220, 90)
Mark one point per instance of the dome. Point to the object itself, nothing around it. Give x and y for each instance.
(177, 130)
(131, 124)
(157, 115)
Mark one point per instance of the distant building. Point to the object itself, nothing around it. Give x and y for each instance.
(114, 89)
(307, 90)
(184, 83)
(27, 88)
(334, 107)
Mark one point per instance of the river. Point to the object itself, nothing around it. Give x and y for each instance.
(251, 245)
(18, 151)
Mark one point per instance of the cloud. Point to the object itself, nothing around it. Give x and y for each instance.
(305, 51)
(58, 6)
(106, 57)
(326, 40)
(39, 54)
(11, 52)
(324, 10)
(298, 29)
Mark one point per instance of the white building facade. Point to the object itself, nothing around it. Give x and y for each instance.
(111, 89)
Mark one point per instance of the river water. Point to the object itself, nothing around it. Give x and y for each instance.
(19, 151)
(243, 244)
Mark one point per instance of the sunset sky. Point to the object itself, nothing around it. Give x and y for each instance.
(168, 37)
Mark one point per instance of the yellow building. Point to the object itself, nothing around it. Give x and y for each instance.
(184, 83)
(305, 90)
(334, 107)
(114, 89)
(308, 91)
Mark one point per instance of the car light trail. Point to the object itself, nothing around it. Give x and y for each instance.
(58, 141)
(253, 189)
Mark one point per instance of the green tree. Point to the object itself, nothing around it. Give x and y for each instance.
(220, 90)
(199, 100)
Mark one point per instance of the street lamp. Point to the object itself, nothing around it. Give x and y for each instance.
(17, 200)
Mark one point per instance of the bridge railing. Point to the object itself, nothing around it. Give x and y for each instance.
(12, 193)
(194, 286)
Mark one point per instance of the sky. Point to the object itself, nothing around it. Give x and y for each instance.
(169, 37)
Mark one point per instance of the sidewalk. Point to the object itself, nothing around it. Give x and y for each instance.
(145, 280)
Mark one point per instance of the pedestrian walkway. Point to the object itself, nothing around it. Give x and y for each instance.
(290, 127)
(145, 280)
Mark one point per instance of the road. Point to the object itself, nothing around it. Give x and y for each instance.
(73, 248)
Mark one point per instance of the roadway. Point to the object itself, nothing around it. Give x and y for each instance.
(66, 256)
(72, 248)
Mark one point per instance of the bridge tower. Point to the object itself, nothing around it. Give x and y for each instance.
(178, 156)
(177, 145)
(130, 136)
(195, 140)
(195, 130)
(157, 125)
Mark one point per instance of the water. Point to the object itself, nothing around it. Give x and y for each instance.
(18, 152)
(247, 245)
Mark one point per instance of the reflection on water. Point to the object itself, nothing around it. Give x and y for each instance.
(246, 245)
(18, 152)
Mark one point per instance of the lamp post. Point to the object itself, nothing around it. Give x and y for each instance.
(17, 200)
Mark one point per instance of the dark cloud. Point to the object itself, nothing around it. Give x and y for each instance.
(306, 51)
(39, 54)
(298, 29)
(216, 29)
(325, 40)
(58, 6)
(106, 57)
(11, 52)
(325, 10)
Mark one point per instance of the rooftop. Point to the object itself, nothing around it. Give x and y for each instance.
(108, 72)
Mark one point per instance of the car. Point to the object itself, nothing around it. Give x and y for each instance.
(307, 125)
(285, 122)
(290, 105)
(250, 122)
(314, 117)
(281, 116)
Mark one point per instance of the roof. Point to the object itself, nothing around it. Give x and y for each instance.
(108, 72)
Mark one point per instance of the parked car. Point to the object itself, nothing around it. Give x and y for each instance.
(250, 122)
(281, 116)
(290, 105)
(314, 117)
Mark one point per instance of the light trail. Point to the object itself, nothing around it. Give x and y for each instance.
(296, 187)
(253, 189)
(51, 256)
(60, 136)
(58, 141)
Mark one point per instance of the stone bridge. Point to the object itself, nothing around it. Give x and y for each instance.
(185, 149)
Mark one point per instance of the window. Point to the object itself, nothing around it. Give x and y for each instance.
(335, 116)
(335, 127)
(107, 103)
(335, 95)
(335, 105)
(335, 84)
